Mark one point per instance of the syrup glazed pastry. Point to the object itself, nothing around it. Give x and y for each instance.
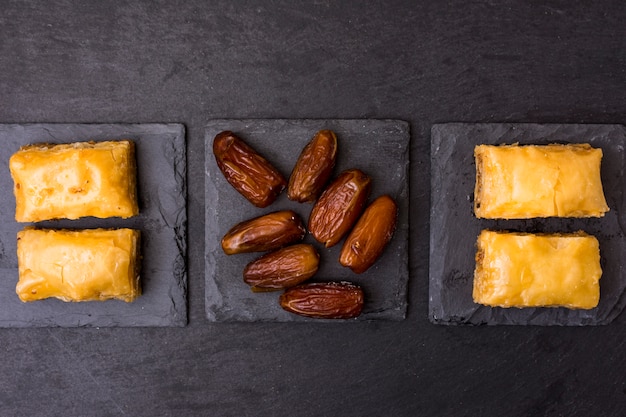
(84, 265)
(522, 182)
(537, 270)
(75, 180)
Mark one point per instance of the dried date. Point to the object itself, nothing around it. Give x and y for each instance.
(370, 235)
(246, 170)
(339, 207)
(313, 168)
(264, 233)
(282, 268)
(326, 300)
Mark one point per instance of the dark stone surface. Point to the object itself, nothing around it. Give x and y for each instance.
(454, 228)
(421, 61)
(161, 172)
(379, 148)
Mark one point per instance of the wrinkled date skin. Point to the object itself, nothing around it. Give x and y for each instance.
(324, 300)
(246, 170)
(339, 207)
(313, 168)
(282, 268)
(264, 233)
(370, 235)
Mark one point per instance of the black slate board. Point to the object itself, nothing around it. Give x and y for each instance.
(161, 166)
(454, 228)
(380, 148)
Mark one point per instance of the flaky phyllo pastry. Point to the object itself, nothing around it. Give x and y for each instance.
(78, 265)
(537, 270)
(75, 180)
(521, 182)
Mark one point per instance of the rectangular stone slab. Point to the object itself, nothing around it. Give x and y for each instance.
(161, 170)
(454, 228)
(380, 148)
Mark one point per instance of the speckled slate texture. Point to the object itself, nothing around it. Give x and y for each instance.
(377, 147)
(454, 228)
(161, 170)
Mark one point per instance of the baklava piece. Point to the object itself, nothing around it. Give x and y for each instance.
(78, 265)
(521, 182)
(75, 180)
(537, 270)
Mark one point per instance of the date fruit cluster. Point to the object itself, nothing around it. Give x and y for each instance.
(339, 210)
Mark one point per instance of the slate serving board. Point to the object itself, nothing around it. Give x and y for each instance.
(454, 228)
(380, 148)
(161, 166)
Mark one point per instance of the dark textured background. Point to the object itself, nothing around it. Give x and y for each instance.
(423, 62)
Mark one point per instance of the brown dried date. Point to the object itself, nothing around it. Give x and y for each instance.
(326, 300)
(264, 233)
(313, 168)
(370, 235)
(339, 207)
(282, 268)
(246, 170)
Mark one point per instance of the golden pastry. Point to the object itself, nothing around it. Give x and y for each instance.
(537, 270)
(521, 182)
(78, 265)
(74, 180)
